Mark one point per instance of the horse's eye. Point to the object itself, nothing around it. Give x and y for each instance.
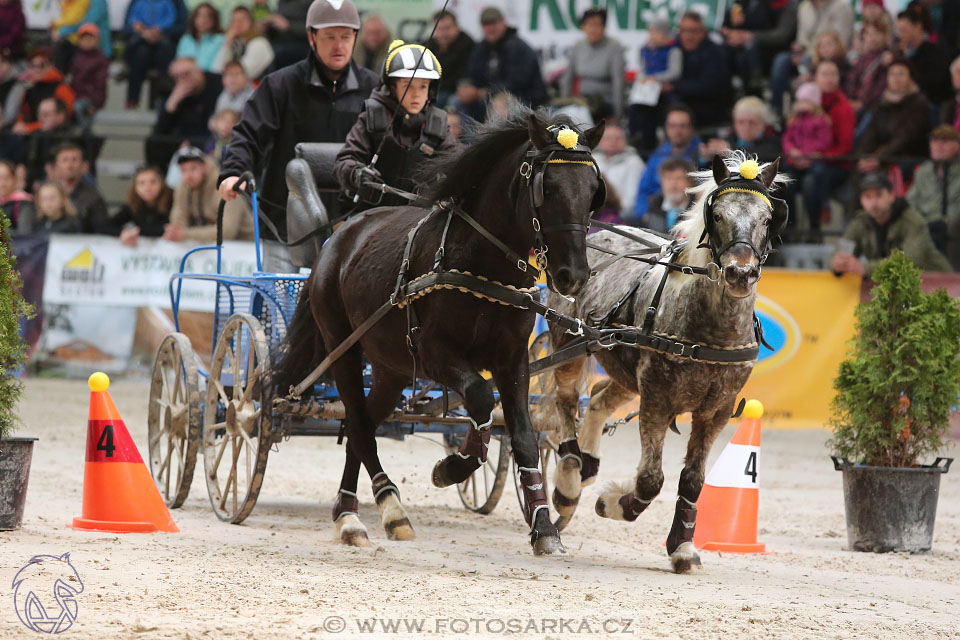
(717, 217)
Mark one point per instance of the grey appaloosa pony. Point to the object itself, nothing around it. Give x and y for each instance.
(728, 231)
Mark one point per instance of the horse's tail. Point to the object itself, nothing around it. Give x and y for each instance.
(302, 348)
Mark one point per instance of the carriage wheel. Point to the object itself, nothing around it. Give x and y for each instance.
(236, 418)
(174, 418)
(481, 492)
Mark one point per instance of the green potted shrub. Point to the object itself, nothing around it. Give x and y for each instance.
(15, 453)
(891, 412)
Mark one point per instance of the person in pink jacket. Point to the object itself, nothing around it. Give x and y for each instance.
(808, 131)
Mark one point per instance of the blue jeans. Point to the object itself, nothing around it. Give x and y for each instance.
(817, 185)
(781, 72)
(142, 57)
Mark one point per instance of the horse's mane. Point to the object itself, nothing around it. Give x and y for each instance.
(460, 171)
(690, 225)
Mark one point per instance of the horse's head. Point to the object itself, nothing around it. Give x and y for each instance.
(565, 187)
(740, 220)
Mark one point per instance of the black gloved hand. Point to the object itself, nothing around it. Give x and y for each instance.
(366, 174)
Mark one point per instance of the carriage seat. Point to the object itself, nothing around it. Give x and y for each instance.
(312, 200)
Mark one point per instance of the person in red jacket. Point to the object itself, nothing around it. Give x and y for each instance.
(824, 172)
(44, 81)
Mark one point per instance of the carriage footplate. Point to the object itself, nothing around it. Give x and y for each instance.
(346, 503)
(632, 506)
(534, 496)
(459, 466)
(684, 522)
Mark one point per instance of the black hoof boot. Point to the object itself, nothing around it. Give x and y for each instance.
(459, 466)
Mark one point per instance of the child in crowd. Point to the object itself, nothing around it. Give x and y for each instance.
(236, 88)
(808, 130)
(221, 129)
(660, 59)
(55, 212)
(147, 209)
(88, 75)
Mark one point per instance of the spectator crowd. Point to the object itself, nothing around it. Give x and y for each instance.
(862, 106)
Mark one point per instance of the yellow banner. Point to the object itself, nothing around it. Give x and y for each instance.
(808, 318)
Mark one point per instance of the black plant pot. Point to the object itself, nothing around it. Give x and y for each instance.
(15, 456)
(891, 508)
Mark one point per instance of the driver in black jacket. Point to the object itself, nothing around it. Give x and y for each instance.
(316, 100)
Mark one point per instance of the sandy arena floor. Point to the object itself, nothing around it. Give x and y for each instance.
(281, 574)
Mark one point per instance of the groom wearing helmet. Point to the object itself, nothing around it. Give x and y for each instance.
(316, 100)
(399, 125)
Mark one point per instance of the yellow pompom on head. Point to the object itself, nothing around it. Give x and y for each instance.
(568, 138)
(749, 169)
(99, 381)
(753, 408)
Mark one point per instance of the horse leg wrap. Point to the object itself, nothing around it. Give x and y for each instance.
(570, 449)
(632, 506)
(346, 503)
(589, 467)
(684, 522)
(382, 485)
(534, 496)
(476, 443)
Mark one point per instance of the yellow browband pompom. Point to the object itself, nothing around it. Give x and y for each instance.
(568, 138)
(749, 169)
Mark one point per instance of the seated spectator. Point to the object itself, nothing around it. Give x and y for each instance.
(929, 60)
(16, 204)
(244, 44)
(681, 142)
(147, 210)
(899, 124)
(372, 43)
(55, 129)
(55, 213)
(813, 17)
(66, 36)
(950, 111)
(868, 77)
(153, 29)
(619, 164)
(67, 168)
(88, 75)
(196, 200)
(204, 38)
(704, 83)
(185, 114)
(236, 89)
(500, 62)
(609, 211)
(63, 31)
(875, 11)
(754, 31)
(13, 28)
(808, 133)
(661, 60)
(665, 209)
(287, 31)
(452, 47)
(221, 130)
(827, 46)
(595, 67)
(886, 223)
(935, 192)
(45, 81)
(11, 91)
(751, 133)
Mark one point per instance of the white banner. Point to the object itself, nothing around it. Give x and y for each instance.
(98, 270)
(40, 13)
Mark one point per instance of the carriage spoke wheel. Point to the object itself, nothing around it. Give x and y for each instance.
(174, 418)
(481, 492)
(236, 418)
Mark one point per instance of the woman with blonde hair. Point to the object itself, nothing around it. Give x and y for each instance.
(55, 212)
(245, 44)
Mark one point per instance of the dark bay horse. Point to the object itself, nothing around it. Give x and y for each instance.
(730, 227)
(528, 180)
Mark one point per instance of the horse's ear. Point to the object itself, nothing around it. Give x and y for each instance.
(594, 134)
(769, 172)
(537, 129)
(720, 171)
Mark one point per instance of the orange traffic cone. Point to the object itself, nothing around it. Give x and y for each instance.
(727, 508)
(119, 494)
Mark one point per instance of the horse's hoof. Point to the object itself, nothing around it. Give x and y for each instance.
(437, 477)
(399, 530)
(686, 559)
(351, 531)
(608, 504)
(549, 546)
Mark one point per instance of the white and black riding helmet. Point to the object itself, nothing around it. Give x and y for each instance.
(409, 60)
(323, 14)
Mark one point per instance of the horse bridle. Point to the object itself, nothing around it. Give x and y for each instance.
(755, 187)
(532, 170)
